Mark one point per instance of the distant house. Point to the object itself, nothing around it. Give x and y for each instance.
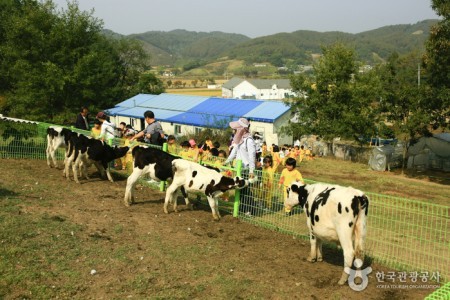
(183, 115)
(267, 89)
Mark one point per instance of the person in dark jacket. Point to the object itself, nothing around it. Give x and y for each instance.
(82, 121)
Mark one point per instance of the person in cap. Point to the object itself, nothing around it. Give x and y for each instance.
(153, 133)
(193, 150)
(243, 146)
(107, 128)
(244, 149)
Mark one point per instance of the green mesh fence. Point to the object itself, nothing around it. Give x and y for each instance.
(443, 293)
(404, 234)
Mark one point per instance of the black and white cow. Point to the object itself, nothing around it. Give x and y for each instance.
(57, 137)
(191, 176)
(333, 213)
(162, 166)
(152, 161)
(85, 151)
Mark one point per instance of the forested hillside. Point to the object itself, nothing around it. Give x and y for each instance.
(180, 47)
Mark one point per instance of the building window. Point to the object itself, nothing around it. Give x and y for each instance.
(198, 130)
(177, 129)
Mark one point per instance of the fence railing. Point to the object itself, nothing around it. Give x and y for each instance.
(404, 234)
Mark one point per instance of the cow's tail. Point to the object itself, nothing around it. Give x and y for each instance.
(360, 226)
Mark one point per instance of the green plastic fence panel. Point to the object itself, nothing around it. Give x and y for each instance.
(443, 293)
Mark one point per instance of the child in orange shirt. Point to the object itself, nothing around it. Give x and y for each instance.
(289, 175)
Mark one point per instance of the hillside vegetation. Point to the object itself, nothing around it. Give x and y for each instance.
(181, 47)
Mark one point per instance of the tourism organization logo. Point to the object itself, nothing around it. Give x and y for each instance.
(353, 274)
(391, 280)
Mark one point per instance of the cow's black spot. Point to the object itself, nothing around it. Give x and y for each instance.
(191, 183)
(201, 186)
(346, 209)
(194, 173)
(339, 208)
(317, 218)
(355, 205)
(320, 200)
(350, 224)
(313, 237)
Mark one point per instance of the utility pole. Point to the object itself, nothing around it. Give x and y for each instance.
(418, 75)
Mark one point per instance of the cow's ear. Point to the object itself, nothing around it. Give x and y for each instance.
(302, 195)
(294, 188)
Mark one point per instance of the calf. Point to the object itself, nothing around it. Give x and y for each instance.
(85, 151)
(57, 137)
(333, 213)
(152, 161)
(191, 176)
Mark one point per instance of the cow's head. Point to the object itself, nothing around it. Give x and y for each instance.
(120, 151)
(296, 195)
(241, 183)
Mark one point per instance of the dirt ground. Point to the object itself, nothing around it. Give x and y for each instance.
(251, 256)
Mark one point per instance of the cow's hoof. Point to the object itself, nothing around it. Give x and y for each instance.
(190, 206)
(343, 279)
(166, 211)
(319, 259)
(311, 259)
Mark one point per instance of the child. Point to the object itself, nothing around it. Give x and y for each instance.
(184, 153)
(127, 160)
(171, 145)
(95, 131)
(289, 175)
(276, 157)
(194, 151)
(266, 189)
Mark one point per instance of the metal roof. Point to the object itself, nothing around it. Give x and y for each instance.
(199, 111)
(136, 100)
(173, 102)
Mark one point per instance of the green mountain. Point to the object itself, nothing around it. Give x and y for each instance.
(182, 46)
(193, 49)
(299, 45)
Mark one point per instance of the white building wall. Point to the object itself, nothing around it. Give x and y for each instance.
(244, 89)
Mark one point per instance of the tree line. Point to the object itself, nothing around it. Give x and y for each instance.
(407, 96)
(54, 62)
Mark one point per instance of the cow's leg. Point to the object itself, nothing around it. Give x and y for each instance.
(131, 181)
(75, 168)
(214, 209)
(216, 200)
(171, 190)
(345, 238)
(186, 199)
(319, 249)
(108, 173)
(47, 151)
(53, 157)
(67, 166)
(313, 255)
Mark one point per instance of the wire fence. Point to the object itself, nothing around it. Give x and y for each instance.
(404, 234)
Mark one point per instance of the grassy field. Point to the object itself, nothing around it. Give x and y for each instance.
(196, 92)
(70, 241)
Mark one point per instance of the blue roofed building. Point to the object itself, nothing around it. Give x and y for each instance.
(183, 115)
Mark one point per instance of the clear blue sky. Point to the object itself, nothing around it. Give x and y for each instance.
(255, 18)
